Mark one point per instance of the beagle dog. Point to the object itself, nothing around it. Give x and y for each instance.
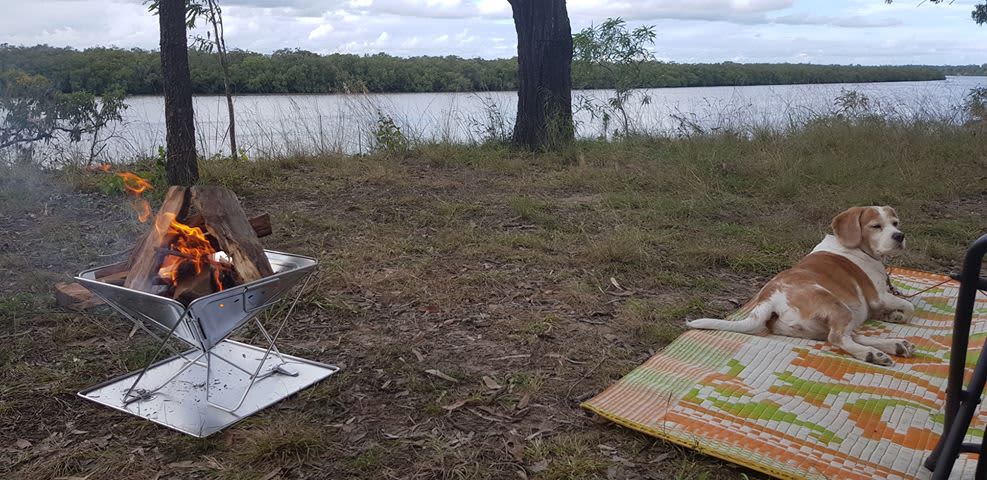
(834, 290)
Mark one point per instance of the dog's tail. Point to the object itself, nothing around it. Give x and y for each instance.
(755, 322)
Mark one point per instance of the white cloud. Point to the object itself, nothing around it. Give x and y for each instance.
(320, 31)
(855, 31)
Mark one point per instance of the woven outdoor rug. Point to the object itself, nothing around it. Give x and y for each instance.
(796, 408)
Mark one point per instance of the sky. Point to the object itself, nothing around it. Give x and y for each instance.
(867, 32)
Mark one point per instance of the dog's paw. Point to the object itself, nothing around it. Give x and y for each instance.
(898, 316)
(878, 357)
(904, 348)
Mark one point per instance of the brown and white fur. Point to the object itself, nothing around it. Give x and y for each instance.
(834, 290)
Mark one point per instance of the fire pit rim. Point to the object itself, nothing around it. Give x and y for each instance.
(88, 275)
(185, 321)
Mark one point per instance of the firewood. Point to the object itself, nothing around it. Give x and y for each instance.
(118, 278)
(146, 257)
(75, 297)
(190, 288)
(225, 220)
(115, 274)
(261, 223)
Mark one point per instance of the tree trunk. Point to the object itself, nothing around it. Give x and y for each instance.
(544, 51)
(179, 123)
(216, 18)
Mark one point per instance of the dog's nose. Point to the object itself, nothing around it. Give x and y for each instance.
(898, 237)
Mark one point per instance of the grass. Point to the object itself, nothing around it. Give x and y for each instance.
(474, 261)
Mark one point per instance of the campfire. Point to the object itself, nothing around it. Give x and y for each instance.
(199, 242)
(196, 276)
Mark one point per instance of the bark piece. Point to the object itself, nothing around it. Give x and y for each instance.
(75, 297)
(261, 223)
(225, 220)
(147, 256)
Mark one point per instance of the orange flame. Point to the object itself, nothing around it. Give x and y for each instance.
(143, 210)
(135, 186)
(190, 246)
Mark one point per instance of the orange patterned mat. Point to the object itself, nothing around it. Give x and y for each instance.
(797, 408)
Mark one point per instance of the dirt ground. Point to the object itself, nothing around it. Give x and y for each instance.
(498, 269)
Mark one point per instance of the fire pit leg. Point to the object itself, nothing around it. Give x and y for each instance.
(139, 324)
(129, 396)
(272, 346)
(143, 394)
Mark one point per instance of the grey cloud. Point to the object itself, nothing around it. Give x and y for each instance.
(689, 31)
(852, 21)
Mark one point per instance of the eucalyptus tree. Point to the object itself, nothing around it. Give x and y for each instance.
(544, 55)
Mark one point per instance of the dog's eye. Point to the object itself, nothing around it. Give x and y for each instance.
(895, 223)
(876, 227)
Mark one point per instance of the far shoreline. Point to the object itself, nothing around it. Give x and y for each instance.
(278, 94)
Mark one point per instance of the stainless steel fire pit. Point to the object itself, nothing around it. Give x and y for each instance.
(210, 385)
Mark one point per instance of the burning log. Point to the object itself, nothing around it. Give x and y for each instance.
(195, 286)
(260, 223)
(225, 221)
(146, 258)
(178, 255)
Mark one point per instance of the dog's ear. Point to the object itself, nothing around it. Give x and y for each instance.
(846, 226)
(891, 211)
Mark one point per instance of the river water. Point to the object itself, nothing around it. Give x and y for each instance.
(286, 124)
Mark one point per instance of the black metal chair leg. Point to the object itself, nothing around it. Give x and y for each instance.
(981, 473)
(961, 405)
(961, 422)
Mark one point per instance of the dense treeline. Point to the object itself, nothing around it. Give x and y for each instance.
(294, 71)
(968, 70)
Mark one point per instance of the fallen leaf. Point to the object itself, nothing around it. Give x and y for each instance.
(21, 443)
(660, 458)
(491, 383)
(510, 357)
(539, 466)
(523, 402)
(418, 354)
(613, 281)
(441, 375)
(182, 464)
(514, 446)
(455, 405)
(271, 474)
(485, 417)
